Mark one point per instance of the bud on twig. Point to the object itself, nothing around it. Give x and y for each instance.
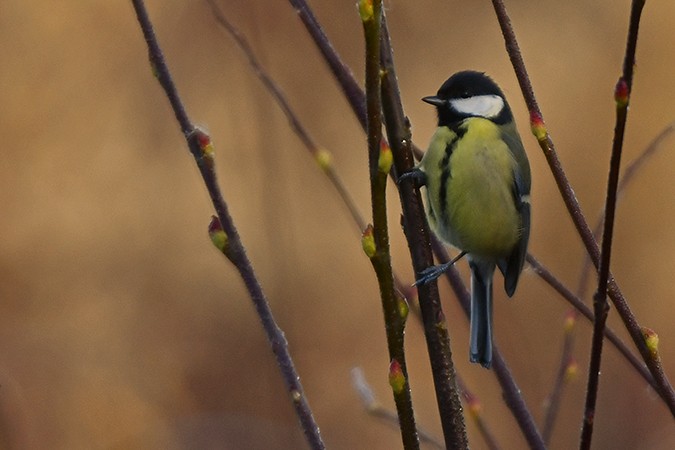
(366, 10)
(538, 127)
(386, 157)
(571, 370)
(206, 148)
(368, 242)
(570, 320)
(652, 341)
(403, 308)
(218, 236)
(324, 159)
(621, 93)
(396, 377)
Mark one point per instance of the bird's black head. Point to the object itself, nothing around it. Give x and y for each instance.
(470, 94)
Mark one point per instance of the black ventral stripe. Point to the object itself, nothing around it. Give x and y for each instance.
(445, 168)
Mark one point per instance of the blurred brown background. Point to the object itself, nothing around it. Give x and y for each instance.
(120, 325)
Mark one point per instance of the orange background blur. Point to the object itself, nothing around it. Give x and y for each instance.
(122, 327)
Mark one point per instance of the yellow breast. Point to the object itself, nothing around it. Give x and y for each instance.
(470, 200)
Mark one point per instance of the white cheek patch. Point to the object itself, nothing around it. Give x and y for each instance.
(487, 106)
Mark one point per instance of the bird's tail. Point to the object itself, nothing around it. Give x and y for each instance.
(481, 312)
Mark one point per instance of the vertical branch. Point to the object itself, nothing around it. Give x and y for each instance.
(601, 308)
(379, 162)
(201, 148)
(417, 234)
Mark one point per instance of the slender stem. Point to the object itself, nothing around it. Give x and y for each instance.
(237, 253)
(417, 234)
(553, 401)
(628, 176)
(379, 162)
(622, 97)
(319, 153)
(654, 365)
(544, 141)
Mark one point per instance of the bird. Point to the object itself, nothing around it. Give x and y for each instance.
(477, 179)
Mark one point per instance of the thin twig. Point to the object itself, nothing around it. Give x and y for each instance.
(664, 390)
(601, 307)
(379, 164)
(201, 149)
(319, 153)
(628, 176)
(553, 401)
(417, 233)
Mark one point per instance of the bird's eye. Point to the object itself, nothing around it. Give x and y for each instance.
(465, 94)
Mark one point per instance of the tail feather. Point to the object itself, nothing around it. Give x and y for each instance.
(481, 312)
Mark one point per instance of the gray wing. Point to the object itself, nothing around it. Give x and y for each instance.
(513, 265)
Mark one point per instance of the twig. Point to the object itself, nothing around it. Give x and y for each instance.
(379, 163)
(628, 176)
(553, 401)
(537, 121)
(601, 307)
(202, 150)
(417, 233)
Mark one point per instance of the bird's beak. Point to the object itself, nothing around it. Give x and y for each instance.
(433, 100)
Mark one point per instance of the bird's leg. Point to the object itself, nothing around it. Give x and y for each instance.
(431, 273)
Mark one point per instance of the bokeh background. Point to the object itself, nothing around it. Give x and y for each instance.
(120, 325)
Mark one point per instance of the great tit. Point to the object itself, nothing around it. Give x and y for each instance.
(477, 180)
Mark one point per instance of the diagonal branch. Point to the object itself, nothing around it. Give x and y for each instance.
(202, 150)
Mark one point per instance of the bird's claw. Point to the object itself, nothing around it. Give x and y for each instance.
(418, 177)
